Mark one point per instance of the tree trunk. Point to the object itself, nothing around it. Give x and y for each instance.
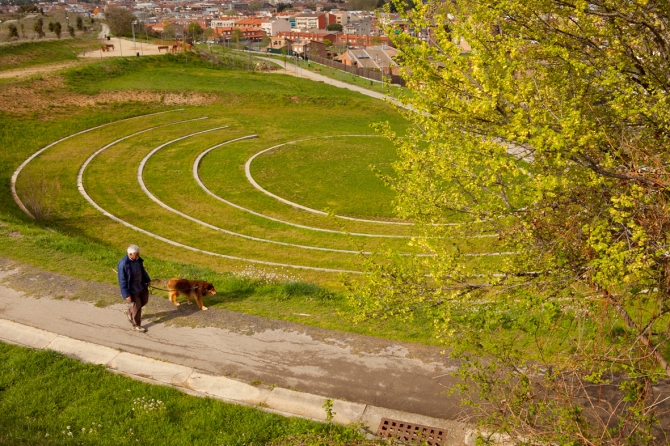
(640, 336)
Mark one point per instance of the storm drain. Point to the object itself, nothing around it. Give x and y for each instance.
(410, 432)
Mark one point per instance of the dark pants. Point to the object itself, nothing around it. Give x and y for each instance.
(139, 300)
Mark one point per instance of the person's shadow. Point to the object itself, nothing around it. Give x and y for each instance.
(162, 317)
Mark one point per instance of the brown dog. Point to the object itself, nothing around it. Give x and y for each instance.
(192, 289)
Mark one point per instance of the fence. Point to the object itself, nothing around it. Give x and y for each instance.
(362, 72)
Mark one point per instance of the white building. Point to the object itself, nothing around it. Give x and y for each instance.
(272, 27)
(307, 21)
(227, 23)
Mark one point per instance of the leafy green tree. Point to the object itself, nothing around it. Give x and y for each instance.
(284, 6)
(70, 31)
(547, 144)
(13, 31)
(328, 43)
(80, 23)
(119, 20)
(362, 5)
(58, 28)
(169, 32)
(237, 35)
(334, 27)
(208, 33)
(38, 27)
(255, 6)
(195, 30)
(23, 9)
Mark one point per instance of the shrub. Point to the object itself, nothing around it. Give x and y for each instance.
(13, 31)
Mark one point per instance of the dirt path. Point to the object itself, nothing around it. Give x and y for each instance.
(124, 48)
(339, 365)
(50, 68)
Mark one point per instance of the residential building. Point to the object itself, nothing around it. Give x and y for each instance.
(313, 21)
(248, 33)
(275, 25)
(374, 57)
(341, 17)
(225, 23)
(318, 36)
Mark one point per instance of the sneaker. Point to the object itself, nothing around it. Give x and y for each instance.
(139, 328)
(127, 313)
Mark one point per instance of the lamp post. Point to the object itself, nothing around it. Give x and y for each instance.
(133, 27)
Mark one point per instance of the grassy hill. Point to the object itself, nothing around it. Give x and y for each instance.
(74, 238)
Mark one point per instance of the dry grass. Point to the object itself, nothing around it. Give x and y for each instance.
(48, 94)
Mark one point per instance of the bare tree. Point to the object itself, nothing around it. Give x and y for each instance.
(119, 20)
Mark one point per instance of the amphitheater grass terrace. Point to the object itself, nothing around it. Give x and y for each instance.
(254, 251)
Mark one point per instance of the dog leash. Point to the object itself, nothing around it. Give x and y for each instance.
(168, 290)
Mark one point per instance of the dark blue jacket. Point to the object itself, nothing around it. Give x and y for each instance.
(125, 283)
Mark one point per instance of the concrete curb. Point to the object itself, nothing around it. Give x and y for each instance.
(284, 402)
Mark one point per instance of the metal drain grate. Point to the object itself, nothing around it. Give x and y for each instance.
(410, 432)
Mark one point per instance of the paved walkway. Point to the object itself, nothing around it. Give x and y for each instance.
(306, 74)
(367, 382)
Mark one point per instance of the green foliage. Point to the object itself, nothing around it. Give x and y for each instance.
(328, 407)
(553, 133)
(362, 5)
(195, 30)
(255, 6)
(13, 32)
(237, 35)
(58, 28)
(334, 27)
(38, 27)
(48, 398)
(24, 9)
(80, 23)
(283, 6)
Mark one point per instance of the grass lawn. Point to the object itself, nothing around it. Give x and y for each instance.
(28, 54)
(332, 173)
(47, 398)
